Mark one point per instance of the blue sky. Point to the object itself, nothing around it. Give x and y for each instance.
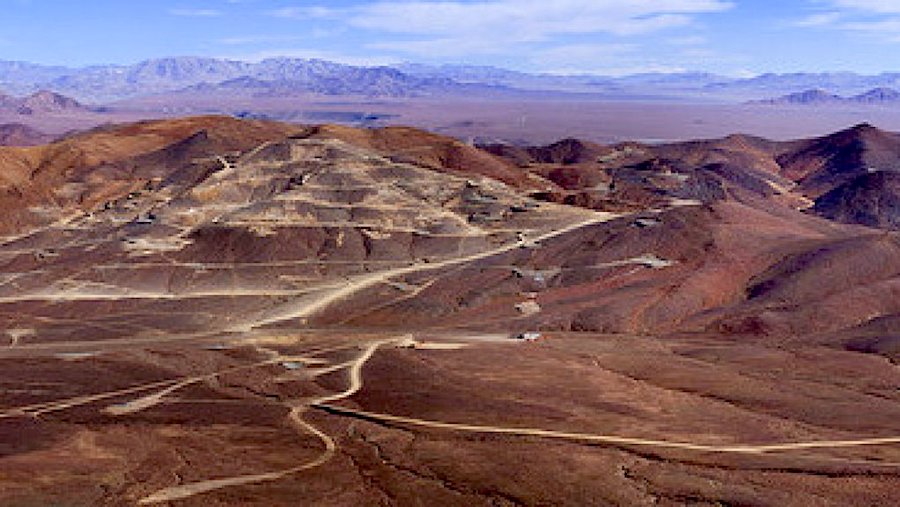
(733, 37)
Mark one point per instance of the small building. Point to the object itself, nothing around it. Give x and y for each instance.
(530, 307)
(146, 219)
(481, 217)
(523, 207)
(643, 223)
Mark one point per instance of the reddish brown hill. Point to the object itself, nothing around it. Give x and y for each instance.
(631, 174)
(827, 287)
(414, 146)
(567, 151)
(45, 182)
(688, 269)
(196, 284)
(734, 228)
(740, 150)
(746, 168)
(518, 155)
(872, 199)
(822, 164)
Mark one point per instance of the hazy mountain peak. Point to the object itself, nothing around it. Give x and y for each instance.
(880, 95)
(42, 101)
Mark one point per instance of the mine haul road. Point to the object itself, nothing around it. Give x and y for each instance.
(356, 383)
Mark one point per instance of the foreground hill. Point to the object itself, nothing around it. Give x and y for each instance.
(872, 199)
(820, 165)
(82, 171)
(219, 311)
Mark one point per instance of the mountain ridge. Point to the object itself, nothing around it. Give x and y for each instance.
(107, 83)
(818, 96)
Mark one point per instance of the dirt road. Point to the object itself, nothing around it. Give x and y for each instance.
(165, 387)
(606, 439)
(361, 283)
(355, 383)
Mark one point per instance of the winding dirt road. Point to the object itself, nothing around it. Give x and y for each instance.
(298, 408)
(361, 283)
(356, 383)
(606, 439)
(166, 387)
(296, 416)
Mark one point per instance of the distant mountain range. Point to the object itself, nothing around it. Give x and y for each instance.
(364, 81)
(278, 75)
(685, 85)
(822, 97)
(291, 76)
(632, 84)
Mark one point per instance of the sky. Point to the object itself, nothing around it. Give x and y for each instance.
(611, 37)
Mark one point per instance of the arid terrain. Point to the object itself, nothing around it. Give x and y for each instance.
(480, 104)
(207, 311)
(527, 120)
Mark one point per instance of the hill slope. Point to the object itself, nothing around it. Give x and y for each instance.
(871, 199)
(228, 312)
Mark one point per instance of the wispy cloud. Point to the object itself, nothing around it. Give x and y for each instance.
(876, 6)
(818, 19)
(886, 29)
(456, 28)
(599, 59)
(196, 13)
(572, 55)
(688, 40)
(537, 18)
(879, 19)
(313, 54)
(314, 12)
(648, 68)
(246, 40)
